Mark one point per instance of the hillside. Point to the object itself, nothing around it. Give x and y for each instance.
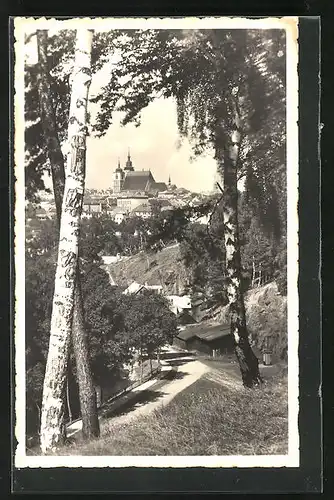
(266, 313)
(266, 308)
(164, 268)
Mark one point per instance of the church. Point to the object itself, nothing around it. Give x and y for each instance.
(133, 181)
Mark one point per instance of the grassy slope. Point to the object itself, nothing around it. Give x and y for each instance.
(161, 268)
(207, 418)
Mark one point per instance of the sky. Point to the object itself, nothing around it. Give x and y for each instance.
(153, 145)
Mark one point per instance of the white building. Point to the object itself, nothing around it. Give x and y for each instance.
(178, 303)
(136, 288)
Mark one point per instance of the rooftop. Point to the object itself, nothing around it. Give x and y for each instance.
(208, 333)
(159, 186)
(138, 181)
(132, 195)
(144, 207)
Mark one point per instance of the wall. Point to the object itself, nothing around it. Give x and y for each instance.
(224, 344)
(130, 203)
(180, 343)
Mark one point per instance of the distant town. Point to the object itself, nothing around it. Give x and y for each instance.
(132, 193)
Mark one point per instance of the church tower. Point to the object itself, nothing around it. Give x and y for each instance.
(118, 179)
(128, 165)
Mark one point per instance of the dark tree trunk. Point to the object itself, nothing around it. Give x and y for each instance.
(69, 410)
(87, 394)
(227, 153)
(48, 121)
(87, 398)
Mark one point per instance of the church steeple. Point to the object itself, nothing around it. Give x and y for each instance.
(169, 182)
(118, 169)
(128, 165)
(118, 178)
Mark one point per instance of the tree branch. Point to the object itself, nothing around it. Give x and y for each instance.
(29, 37)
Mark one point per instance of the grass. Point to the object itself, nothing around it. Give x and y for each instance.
(160, 268)
(205, 419)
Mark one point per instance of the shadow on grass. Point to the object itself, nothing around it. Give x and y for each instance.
(143, 397)
(175, 375)
(179, 362)
(176, 354)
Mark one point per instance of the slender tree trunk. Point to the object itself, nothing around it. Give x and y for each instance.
(253, 274)
(88, 405)
(87, 393)
(141, 370)
(52, 421)
(69, 411)
(227, 152)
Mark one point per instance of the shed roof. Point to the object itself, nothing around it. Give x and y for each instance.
(207, 333)
(133, 288)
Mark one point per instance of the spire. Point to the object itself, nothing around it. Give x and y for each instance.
(118, 169)
(169, 182)
(128, 165)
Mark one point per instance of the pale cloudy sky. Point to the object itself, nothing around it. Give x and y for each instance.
(153, 145)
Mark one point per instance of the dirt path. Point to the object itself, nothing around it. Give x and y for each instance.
(179, 370)
(162, 392)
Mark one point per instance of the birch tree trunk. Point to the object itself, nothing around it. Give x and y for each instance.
(52, 420)
(87, 396)
(227, 152)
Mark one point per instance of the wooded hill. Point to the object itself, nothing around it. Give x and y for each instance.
(266, 307)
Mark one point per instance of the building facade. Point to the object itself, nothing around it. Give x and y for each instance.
(118, 179)
(128, 201)
(135, 181)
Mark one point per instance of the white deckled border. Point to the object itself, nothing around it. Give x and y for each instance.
(24, 26)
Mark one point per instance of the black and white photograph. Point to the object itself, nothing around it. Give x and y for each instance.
(156, 242)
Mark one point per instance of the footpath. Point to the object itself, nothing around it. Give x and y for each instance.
(165, 374)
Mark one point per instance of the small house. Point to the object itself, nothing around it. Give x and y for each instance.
(136, 288)
(179, 303)
(118, 214)
(144, 211)
(212, 339)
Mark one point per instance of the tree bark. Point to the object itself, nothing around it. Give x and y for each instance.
(69, 411)
(227, 153)
(87, 394)
(48, 122)
(52, 421)
(88, 404)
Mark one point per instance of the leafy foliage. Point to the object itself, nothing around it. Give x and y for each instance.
(117, 325)
(207, 72)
